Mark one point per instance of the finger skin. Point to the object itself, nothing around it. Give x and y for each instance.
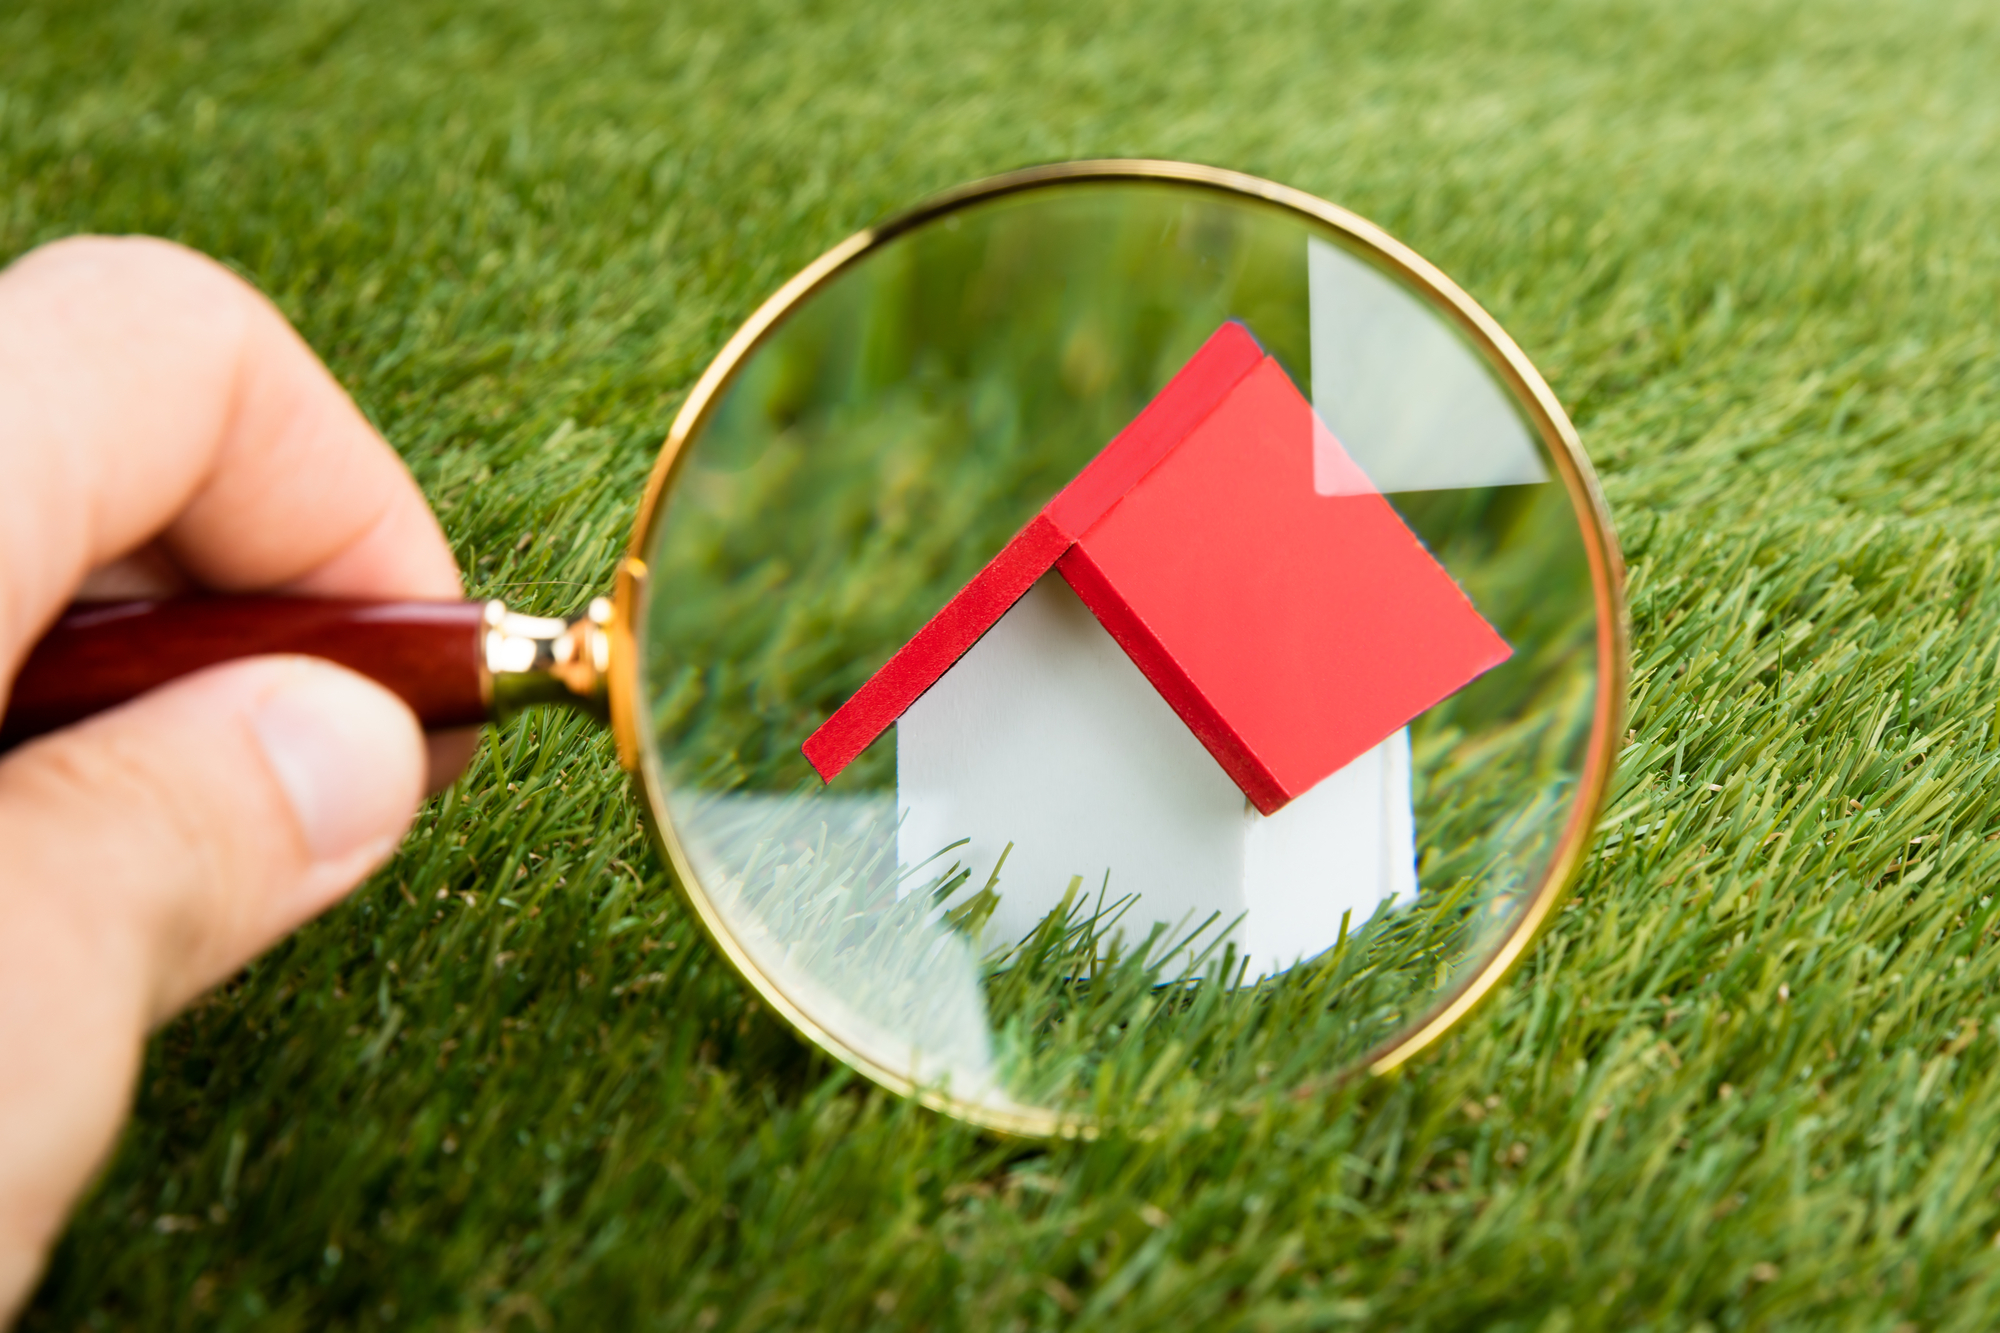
(159, 421)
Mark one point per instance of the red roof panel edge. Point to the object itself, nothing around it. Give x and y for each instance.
(1167, 676)
(1194, 392)
(936, 647)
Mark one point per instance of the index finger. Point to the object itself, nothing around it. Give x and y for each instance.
(148, 394)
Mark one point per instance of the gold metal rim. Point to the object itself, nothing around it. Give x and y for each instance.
(640, 755)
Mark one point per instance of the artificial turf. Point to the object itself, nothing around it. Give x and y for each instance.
(1748, 1078)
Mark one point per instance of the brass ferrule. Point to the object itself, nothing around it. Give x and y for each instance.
(528, 660)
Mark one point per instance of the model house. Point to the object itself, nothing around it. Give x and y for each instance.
(1190, 673)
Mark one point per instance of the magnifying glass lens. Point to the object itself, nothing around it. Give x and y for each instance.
(1122, 644)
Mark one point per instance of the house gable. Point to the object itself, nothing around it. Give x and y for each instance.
(1196, 390)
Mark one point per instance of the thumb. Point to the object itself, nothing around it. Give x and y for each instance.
(150, 853)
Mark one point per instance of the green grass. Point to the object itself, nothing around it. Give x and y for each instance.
(1746, 1081)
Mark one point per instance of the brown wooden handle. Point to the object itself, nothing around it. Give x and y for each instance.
(102, 654)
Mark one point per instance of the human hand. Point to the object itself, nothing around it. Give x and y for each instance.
(161, 424)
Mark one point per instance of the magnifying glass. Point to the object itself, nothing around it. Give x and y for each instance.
(1121, 640)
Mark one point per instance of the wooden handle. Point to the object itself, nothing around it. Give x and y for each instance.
(102, 654)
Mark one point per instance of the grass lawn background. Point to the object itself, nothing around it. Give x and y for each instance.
(1751, 1078)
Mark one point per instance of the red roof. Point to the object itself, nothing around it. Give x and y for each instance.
(1291, 629)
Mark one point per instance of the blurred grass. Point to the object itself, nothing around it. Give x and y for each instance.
(1747, 1081)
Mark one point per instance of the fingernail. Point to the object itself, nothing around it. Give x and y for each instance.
(348, 755)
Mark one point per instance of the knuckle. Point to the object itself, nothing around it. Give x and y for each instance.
(95, 278)
(104, 260)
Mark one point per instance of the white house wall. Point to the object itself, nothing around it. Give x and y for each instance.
(1046, 736)
(1343, 847)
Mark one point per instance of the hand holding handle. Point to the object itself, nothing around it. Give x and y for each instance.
(455, 664)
